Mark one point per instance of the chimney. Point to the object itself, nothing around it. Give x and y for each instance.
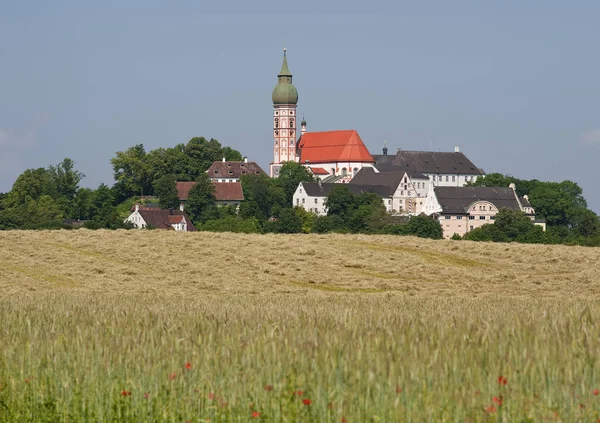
(245, 159)
(223, 159)
(513, 186)
(385, 150)
(456, 149)
(181, 207)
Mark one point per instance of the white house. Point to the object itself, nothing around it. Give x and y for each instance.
(156, 218)
(462, 209)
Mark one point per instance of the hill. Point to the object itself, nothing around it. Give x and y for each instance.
(165, 326)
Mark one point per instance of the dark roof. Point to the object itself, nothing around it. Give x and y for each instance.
(224, 191)
(162, 219)
(368, 176)
(431, 162)
(525, 201)
(458, 199)
(314, 189)
(234, 169)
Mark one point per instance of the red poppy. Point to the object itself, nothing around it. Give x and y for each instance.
(344, 420)
(491, 409)
(581, 405)
(502, 380)
(125, 393)
(255, 414)
(172, 376)
(596, 392)
(146, 394)
(188, 365)
(306, 401)
(298, 393)
(330, 406)
(211, 396)
(498, 400)
(398, 390)
(268, 388)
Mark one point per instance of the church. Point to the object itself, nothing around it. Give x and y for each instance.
(334, 156)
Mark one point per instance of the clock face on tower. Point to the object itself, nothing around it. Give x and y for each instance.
(276, 171)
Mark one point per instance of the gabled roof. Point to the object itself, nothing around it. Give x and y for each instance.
(162, 219)
(429, 162)
(319, 171)
(314, 189)
(368, 176)
(224, 191)
(333, 146)
(458, 199)
(228, 191)
(234, 169)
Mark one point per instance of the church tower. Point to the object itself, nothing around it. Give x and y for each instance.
(285, 98)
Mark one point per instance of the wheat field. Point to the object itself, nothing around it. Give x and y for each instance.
(159, 326)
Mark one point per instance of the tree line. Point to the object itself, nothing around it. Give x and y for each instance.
(51, 197)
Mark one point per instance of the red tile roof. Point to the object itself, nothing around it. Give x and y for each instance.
(319, 171)
(224, 191)
(333, 146)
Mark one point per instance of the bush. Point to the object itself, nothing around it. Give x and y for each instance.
(232, 224)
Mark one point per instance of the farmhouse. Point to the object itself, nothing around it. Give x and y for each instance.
(462, 209)
(151, 217)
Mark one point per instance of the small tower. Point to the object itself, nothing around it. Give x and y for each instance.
(302, 126)
(385, 148)
(285, 98)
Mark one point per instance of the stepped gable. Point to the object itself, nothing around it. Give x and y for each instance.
(333, 146)
(432, 162)
(234, 170)
(458, 199)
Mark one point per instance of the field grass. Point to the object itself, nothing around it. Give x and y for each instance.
(162, 326)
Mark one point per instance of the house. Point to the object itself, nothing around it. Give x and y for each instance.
(230, 171)
(409, 188)
(311, 196)
(337, 154)
(144, 217)
(462, 209)
(226, 194)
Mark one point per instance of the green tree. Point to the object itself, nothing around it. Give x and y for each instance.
(486, 233)
(201, 199)
(30, 185)
(165, 188)
(131, 171)
(290, 176)
(424, 227)
(288, 222)
(341, 202)
(66, 179)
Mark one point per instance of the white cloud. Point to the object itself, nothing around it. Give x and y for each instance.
(591, 137)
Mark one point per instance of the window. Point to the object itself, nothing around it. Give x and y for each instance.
(470, 228)
(300, 190)
(303, 201)
(459, 217)
(453, 178)
(448, 217)
(492, 217)
(354, 171)
(433, 177)
(481, 217)
(471, 217)
(333, 171)
(297, 201)
(344, 171)
(316, 201)
(446, 178)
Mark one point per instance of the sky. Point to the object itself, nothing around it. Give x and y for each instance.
(516, 85)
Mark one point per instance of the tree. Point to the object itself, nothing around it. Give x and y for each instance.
(424, 227)
(340, 202)
(65, 178)
(290, 176)
(165, 188)
(200, 198)
(30, 185)
(132, 171)
(288, 222)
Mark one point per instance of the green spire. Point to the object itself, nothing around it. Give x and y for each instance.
(285, 71)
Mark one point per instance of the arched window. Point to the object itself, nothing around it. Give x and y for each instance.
(291, 123)
(333, 171)
(354, 171)
(344, 171)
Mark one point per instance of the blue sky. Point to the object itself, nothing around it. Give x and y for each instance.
(515, 84)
